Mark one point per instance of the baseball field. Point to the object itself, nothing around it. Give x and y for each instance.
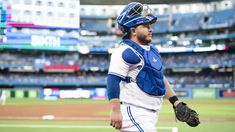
(84, 115)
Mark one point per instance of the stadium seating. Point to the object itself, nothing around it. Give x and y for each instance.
(86, 62)
(95, 25)
(94, 68)
(63, 79)
(162, 24)
(220, 19)
(186, 22)
(24, 68)
(171, 24)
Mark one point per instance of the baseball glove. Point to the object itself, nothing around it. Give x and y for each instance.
(185, 114)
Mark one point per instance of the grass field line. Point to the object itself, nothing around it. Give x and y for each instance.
(174, 129)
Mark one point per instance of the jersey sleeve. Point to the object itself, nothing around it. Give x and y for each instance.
(113, 87)
(117, 65)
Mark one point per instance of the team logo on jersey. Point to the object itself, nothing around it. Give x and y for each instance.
(154, 60)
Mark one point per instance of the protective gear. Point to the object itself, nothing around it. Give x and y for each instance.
(150, 78)
(134, 14)
(185, 114)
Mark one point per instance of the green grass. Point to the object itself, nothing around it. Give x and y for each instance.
(182, 127)
(203, 127)
(207, 109)
(214, 115)
(52, 102)
(55, 124)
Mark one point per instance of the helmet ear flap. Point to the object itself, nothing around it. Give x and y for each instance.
(123, 28)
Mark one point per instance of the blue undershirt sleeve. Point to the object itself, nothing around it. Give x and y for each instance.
(113, 87)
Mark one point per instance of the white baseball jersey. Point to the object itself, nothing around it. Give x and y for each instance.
(130, 93)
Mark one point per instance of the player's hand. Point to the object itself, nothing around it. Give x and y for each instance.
(116, 119)
(185, 114)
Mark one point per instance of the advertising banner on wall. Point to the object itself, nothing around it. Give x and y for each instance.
(226, 93)
(84, 93)
(204, 93)
(22, 93)
(184, 93)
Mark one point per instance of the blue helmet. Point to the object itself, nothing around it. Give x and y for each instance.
(134, 14)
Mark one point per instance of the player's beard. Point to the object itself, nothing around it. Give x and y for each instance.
(144, 39)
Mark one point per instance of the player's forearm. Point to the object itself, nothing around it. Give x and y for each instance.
(115, 105)
(169, 89)
(170, 92)
(115, 115)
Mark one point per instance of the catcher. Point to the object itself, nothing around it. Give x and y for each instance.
(136, 83)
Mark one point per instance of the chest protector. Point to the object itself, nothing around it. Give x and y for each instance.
(150, 78)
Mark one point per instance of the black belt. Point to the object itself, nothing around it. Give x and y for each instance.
(137, 106)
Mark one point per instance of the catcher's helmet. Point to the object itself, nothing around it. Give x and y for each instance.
(134, 14)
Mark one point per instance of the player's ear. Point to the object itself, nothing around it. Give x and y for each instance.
(133, 31)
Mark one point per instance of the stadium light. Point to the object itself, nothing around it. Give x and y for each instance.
(221, 47)
(174, 38)
(83, 49)
(170, 42)
(185, 43)
(198, 41)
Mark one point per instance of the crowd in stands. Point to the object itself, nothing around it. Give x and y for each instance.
(53, 78)
(198, 59)
(39, 59)
(100, 78)
(163, 29)
(100, 62)
(200, 79)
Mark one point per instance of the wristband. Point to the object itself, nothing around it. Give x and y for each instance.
(173, 99)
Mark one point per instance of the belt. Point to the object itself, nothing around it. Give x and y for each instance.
(129, 79)
(122, 103)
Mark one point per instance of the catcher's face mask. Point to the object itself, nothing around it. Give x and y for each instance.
(135, 14)
(141, 10)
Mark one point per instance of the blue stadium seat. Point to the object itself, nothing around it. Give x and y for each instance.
(220, 19)
(186, 22)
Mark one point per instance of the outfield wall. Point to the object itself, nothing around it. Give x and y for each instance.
(100, 93)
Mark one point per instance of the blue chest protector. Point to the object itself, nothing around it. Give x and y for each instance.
(150, 78)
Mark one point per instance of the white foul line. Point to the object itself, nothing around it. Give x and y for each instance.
(174, 129)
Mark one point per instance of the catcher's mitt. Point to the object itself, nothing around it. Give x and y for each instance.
(185, 114)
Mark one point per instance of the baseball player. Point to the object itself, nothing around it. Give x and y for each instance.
(136, 84)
